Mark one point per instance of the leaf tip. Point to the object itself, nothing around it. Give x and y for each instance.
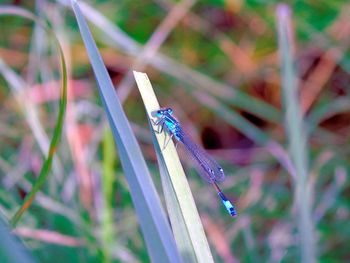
(74, 2)
(138, 73)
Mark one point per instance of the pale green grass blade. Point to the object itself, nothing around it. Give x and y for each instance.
(107, 182)
(155, 228)
(187, 227)
(296, 133)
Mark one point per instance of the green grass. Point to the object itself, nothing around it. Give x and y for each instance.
(239, 84)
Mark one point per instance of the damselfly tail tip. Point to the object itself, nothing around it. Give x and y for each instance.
(230, 208)
(228, 205)
(233, 212)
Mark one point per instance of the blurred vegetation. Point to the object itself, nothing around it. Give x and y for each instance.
(219, 70)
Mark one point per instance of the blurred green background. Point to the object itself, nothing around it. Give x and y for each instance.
(216, 63)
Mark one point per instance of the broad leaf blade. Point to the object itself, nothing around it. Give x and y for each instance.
(155, 228)
(187, 227)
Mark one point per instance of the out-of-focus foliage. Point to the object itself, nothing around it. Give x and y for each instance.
(219, 70)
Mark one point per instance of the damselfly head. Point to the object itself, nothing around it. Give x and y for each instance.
(164, 111)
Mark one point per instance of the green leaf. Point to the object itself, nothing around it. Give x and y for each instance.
(296, 134)
(185, 221)
(46, 167)
(155, 228)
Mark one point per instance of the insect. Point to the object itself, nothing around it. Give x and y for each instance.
(210, 170)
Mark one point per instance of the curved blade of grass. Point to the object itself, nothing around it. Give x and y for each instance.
(46, 167)
(11, 249)
(296, 133)
(179, 71)
(337, 106)
(187, 227)
(247, 128)
(155, 228)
